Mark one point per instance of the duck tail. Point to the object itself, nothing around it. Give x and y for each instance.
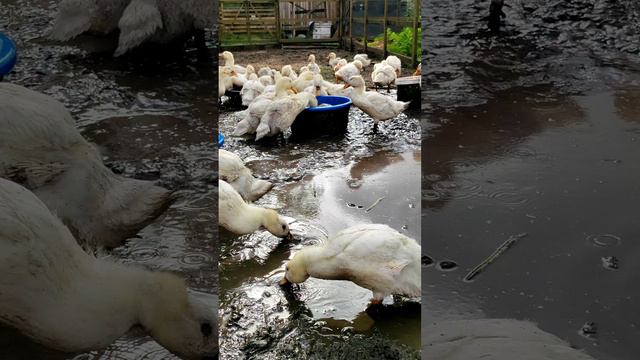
(132, 204)
(241, 128)
(258, 189)
(74, 18)
(139, 21)
(262, 130)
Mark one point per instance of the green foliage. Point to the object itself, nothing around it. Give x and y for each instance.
(401, 42)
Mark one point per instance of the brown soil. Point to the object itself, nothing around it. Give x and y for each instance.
(297, 58)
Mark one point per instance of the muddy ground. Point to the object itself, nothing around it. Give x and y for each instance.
(534, 131)
(153, 115)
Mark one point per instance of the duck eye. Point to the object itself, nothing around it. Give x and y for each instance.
(206, 329)
(286, 268)
(284, 227)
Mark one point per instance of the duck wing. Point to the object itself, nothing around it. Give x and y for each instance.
(140, 20)
(73, 18)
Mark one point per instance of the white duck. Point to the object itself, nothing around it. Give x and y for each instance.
(58, 295)
(225, 79)
(252, 89)
(336, 89)
(240, 79)
(282, 113)
(395, 62)
(235, 215)
(317, 88)
(333, 59)
(363, 58)
(348, 71)
(303, 81)
(265, 71)
(312, 66)
(229, 60)
(138, 21)
(418, 71)
(383, 75)
(373, 256)
(496, 339)
(288, 71)
(339, 64)
(41, 149)
(259, 106)
(379, 107)
(232, 170)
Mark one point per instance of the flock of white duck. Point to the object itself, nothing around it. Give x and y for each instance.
(58, 198)
(274, 98)
(372, 256)
(135, 21)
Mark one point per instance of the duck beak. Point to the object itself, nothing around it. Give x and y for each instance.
(346, 86)
(289, 236)
(284, 281)
(295, 91)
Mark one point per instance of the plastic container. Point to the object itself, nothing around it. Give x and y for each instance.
(220, 140)
(8, 55)
(234, 99)
(323, 120)
(409, 89)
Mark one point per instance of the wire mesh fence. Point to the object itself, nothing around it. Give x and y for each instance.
(381, 27)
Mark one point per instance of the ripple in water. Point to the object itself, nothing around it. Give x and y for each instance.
(458, 189)
(509, 198)
(194, 258)
(604, 240)
(142, 254)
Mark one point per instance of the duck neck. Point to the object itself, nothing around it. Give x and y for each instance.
(320, 264)
(359, 90)
(252, 218)
(98, 306)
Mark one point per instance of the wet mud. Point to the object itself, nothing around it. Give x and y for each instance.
(322, 185)
(153, 114)
(534, 132)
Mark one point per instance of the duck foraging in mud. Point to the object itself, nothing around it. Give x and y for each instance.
(56, 294)
(373, 256)
(235, 215)
(41, 149)
(232, 170)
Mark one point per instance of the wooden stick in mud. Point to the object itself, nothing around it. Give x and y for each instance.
(486, 262)
(374, 204)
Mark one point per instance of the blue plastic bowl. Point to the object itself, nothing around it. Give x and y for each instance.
(336, 102)
(220, 140)
(8, 55)
(323, 120)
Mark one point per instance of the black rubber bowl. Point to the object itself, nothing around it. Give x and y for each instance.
(234, 100)
(409, 89)
(330, 117)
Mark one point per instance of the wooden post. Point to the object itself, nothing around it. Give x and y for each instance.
(350, 25)
(366, 25)
(248, 24)
(340, 6)
(278, 29)
(384, 27)
(416, 18)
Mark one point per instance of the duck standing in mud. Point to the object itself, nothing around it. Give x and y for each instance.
(41, 149)
(55, 293)
(138, 21)
(239, 217)
(373, 256)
